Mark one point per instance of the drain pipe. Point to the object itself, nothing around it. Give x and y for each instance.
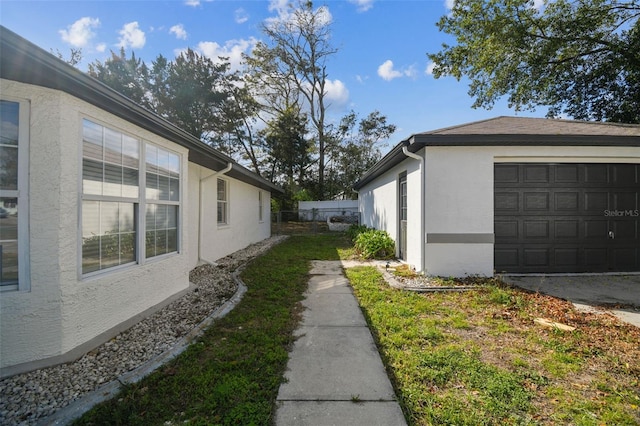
(423, 183)
(201, 210)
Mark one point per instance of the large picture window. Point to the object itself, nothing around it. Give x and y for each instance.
(14, 237)
(127, 186)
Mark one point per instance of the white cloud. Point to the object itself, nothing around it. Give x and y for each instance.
(429, 69)
(284, 12)
(232, 49)
(241, 16)
(363, 5)
(80, 32)
(102, 47)
(387, 72)
(179, 31)
(449, 4)
(336, 92)
(192, 3)
(361, 79)
(131, 36)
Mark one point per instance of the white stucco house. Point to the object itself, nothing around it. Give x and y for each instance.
(109, 208)
(511, 195)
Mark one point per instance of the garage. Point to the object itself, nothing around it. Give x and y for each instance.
(560, 218)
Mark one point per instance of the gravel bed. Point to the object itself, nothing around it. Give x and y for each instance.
(28, 398)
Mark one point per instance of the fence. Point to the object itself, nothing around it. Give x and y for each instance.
(314, 221)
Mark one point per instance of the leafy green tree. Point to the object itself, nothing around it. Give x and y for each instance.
(195, 91)
(289, 152)
(580, 57)
(127, 76)
(355, 150)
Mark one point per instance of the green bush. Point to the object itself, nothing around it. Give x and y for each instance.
(354, 230)
(375, 244)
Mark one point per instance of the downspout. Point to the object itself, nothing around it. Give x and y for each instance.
(201, 210)
(423, 184)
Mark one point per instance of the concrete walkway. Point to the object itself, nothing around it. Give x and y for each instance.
(335, 375)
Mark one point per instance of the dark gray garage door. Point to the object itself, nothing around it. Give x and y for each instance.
(567, 217)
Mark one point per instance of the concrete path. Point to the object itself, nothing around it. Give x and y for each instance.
(589, 290)
(335, 374)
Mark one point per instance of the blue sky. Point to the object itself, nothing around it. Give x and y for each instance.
(381, 63)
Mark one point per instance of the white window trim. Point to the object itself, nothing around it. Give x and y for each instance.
(227, 222)
(140, 204)
(22, 194)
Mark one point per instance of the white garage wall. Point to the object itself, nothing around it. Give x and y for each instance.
(459, 207)
(378, 206)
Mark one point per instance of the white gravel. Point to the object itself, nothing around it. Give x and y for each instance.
(29, 398)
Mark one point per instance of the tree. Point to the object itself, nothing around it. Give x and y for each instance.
(581, 57)
(288, 150)
(127, 76)
(299, 51)
(355, 150)
(195, 91)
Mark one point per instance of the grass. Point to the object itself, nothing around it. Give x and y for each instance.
(460, 358)
(477, 358)
(231, 375)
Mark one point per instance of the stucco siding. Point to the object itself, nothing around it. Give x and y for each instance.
(63, 310)
(378, 206)
(459, 182)
(243, 227)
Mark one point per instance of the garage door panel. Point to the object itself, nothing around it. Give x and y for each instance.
(536, 229)
(567, 217)
(566, 257)
(507, 174)
(596, 202)
(507, 230)
(507, 201)
(625, 259)
(567, 174)
(596, 173)
(567, 229)
(536, 201)
(567, 201)
(625, 174)
(536, 257)
(536, 173)
(596, 229)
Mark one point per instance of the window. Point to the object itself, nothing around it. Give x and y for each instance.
(223, 202)
(162, 199)
(14, 250)
(117, 201)
(260, 206)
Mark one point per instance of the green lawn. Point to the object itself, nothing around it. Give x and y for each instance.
(232, 374)
(477, 357)
(460, 358)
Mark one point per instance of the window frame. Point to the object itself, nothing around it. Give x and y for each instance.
(260, 206)
(140, 202)
(224, 202)
(22, 195)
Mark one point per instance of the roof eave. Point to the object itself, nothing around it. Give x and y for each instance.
(40, 68)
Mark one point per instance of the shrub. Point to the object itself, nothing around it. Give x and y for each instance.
(375, 244)
(355, 230)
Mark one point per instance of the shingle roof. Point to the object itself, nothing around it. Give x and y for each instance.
(538, 126)
(511, 131)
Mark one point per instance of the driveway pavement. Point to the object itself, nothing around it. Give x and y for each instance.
(619, 293)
